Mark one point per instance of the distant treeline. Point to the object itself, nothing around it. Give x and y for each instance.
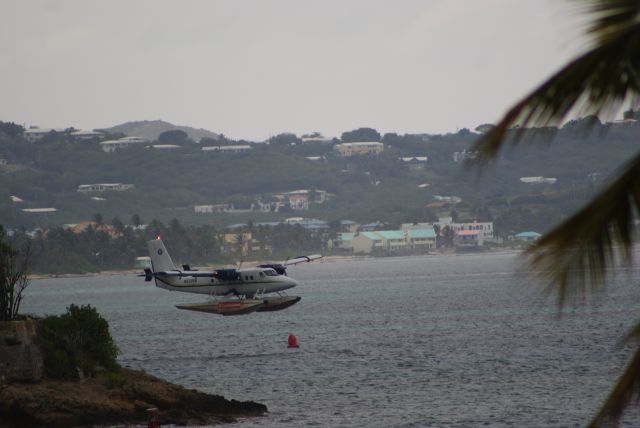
(58, 250)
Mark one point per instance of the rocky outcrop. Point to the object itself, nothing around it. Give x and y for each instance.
(114, 398)
(20, 357)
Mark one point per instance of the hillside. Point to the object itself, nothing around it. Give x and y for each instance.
(151, 129)
(364, 188)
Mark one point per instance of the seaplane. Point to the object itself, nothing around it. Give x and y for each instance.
(233, 291)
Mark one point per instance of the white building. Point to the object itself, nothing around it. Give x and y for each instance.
(464, 155)
(35, 134)
(350, 149)
(113, 145)
(86, 135)
(210, 209)
(538, 180)
(103, 187)
(164, 146)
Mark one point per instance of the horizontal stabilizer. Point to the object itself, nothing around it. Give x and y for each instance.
(302, 259)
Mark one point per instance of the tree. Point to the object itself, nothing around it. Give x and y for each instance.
(14, 274)
(117, 224)
(577, 254)
(97, 217)
(174, 136)
(360, 135)
(136, 220)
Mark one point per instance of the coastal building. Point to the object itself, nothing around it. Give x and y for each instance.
(485, 229)
(350, 149)
(36, 134)
(367, 243)
(468, 238)
(421, 239)
(392, 240)
(528, 236)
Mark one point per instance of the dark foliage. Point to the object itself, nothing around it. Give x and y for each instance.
(77, 343)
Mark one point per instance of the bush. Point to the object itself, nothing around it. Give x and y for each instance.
(76, 344)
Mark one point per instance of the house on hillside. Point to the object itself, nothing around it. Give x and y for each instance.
(415, 163)
(464, 155)
(103, 187)
(81, 135)
(36, 134)
(83, 226)
(239, 148)
(110, 146)
(350, 149)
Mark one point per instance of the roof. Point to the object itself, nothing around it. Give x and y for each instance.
(390, 234)
(39, 210)
(363, 143)
(468, 232)
(371, 235)
(165, 146)
(528, 235)
(422, 233)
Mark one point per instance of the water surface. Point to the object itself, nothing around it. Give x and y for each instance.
(442, 341)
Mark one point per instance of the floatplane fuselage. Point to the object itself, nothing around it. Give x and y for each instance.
(242, 290)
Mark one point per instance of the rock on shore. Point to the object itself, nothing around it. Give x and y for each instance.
(111, 399)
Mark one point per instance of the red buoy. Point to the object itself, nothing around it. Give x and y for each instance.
(293, 342)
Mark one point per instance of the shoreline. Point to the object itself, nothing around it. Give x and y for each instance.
(327, 259)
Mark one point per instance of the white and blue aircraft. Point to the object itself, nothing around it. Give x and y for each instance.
(236, 291)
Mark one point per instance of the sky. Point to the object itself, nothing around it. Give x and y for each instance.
(253, 68)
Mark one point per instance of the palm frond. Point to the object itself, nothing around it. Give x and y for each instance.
(632, 335)
(598, 82)
(611, 17)
(577, 254)
(625, 390)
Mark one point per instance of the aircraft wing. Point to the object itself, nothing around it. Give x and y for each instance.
(302, 259)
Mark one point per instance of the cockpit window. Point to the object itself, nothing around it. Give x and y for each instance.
(270, 272)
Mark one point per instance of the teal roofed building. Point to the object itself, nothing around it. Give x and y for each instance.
(528, 236)
(424, 239)
(367, 243)
(392, 239)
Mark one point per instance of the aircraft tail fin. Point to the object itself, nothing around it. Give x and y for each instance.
(160, 258)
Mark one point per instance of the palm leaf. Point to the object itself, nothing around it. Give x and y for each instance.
(597, 82)
(577, 254)
(626, 390)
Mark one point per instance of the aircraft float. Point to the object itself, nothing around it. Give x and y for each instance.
(235, 291)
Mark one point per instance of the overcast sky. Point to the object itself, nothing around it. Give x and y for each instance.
(251, 69)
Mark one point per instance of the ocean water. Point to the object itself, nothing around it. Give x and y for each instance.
(435, 341)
